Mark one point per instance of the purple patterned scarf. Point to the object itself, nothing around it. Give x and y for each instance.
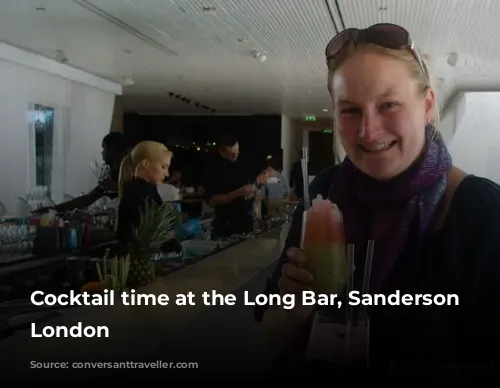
(419, 191)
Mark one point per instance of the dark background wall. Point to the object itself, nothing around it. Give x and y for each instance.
(192, 138)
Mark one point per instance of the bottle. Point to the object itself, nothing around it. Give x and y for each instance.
(257, 204)
(323, 244)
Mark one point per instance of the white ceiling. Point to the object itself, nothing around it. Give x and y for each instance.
(174, 46)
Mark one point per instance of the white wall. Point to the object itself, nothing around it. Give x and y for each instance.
(475, 147)
(451, 117)
(82, 117)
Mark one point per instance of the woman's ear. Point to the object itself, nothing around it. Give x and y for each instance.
(430, 105)
(145, 164)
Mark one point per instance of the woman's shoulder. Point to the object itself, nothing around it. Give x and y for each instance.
(472, 225)
(471, 234)
(322, 182)
(477, 200)
(138, 189)
(132, 188)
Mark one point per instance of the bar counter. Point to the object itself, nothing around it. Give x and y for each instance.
(136, 331)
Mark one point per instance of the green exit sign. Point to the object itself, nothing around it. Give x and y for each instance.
(310, 118)
(327, 130)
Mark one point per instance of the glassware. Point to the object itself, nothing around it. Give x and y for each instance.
(100, 170)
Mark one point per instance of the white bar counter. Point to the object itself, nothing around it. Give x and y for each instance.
(135, 331)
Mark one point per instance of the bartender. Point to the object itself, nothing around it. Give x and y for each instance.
(228, 189)
(113, 152)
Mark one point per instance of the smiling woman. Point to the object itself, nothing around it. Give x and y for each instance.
(77, 331)
(435, 228)
(377, 125)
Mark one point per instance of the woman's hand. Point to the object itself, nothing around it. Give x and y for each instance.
(295, 279)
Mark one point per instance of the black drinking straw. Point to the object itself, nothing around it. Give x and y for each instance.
(349, 288)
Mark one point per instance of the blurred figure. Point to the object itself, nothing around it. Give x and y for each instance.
(169, 193)
(175, 178)
(229, 186)
(276, 186)
(170, 190)
(276, 190)
(113, 152)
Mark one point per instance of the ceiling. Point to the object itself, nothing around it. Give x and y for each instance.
(202, 50)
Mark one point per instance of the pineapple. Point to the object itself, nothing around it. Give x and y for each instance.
(116, 278)
(156, 222)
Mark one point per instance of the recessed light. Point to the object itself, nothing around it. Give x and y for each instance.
(127, 81)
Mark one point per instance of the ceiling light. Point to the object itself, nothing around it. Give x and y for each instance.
(452, 59)
(259, 56)
(127, 81)
(325, 110)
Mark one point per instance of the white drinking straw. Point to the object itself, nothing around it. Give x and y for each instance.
(305, 178)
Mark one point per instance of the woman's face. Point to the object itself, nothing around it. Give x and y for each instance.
(380, 114)
(157, 171)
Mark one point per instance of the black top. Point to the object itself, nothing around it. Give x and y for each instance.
(113, 176)
(223, 177)
(134, 196)
(462, 258)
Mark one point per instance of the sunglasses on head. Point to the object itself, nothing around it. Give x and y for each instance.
(386, 35)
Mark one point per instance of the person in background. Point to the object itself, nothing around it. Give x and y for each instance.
(175, 178)
(141, 172)
(228, 188)
(276, 190)
(276, 186)
(435, 227)
(169, 192)
(170, 189)
(113, 152)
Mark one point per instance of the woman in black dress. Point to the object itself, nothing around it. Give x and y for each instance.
(141, 171)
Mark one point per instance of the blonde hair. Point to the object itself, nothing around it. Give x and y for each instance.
(145, 150)
(421, 76)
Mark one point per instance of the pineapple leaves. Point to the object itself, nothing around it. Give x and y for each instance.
(156, 222)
